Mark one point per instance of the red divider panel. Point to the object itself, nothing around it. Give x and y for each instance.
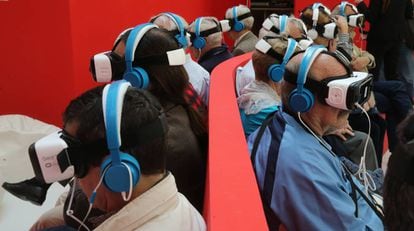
(232, 199)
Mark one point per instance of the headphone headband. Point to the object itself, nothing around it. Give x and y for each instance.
(181, 37)
(235, 22)
(263, 46)
(283, 21)
(133, 40)
(113, 98)
(276, 28)
(308, 58)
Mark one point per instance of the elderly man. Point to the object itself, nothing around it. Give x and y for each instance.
(303, 184)
(241, 22)
(198, 76)
(324, 30)
(129, 184)
(207, 42)
(273, 25)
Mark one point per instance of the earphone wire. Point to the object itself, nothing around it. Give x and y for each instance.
(127, 198)
(314, 135)
(361, 37)
(365, 195)
(362, 171)
(69, 211)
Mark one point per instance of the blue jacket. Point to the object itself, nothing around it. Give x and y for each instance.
(304, 183)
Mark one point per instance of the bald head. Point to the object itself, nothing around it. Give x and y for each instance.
(319, 70)
(320, 117)
(167, 22)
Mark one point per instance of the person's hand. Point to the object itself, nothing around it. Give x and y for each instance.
(343, 131)
(341, 23)
(358, 1)
(359, 64)
(370, 103)
(51, 218)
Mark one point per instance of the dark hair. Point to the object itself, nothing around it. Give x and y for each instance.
(167, 83)
(139, 108)
(399, 183)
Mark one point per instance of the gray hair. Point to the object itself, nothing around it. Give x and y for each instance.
(165, 21)
(241, 9)
(299, 24)
(208, 23)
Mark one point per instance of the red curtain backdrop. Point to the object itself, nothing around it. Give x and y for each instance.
(46, 46)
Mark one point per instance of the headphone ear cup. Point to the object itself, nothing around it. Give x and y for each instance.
(276, 72)
(301, 102)
(238, 26)
(117, 178)
(313, 34)
(199, 43)
(182, 40)
(138, 77)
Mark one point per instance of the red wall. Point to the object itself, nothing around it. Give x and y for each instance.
(36, 66)
(46, 46)
(300, 5)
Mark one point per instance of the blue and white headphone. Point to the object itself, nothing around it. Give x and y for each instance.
(355, 20)
(328, 30)
(342, 8)
(199, 42)
(270, 24)
(302, 99)
(237, 25)
(120, 170)
(137, 76)
(182, 36)
(276, 71)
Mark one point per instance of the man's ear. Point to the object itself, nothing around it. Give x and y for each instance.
(332, 45)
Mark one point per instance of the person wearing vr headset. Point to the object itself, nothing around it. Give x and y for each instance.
(261, 97)
(273, 25)
(187, 139)
(388, 97)
(177, 26)
(331, 32)
(387, 20)
(241, 23)
(362, 61)
(116, 145)
(207, 42)
(399, 181)
(303, 183)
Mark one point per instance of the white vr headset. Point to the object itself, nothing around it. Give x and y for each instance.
(46, 156)
(107, 66)
(328, 30)
(225, 25)
(356, 20)
(344, 93)
(277, 28)
(340, 92)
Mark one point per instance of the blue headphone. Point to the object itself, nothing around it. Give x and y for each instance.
(181, 37)
(237, 25)
(137, 76)
(283, 19)
(301, 99)
(120, 170)
(199, 42)
(276, 71)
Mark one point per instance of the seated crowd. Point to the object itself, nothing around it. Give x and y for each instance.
(311, 110)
